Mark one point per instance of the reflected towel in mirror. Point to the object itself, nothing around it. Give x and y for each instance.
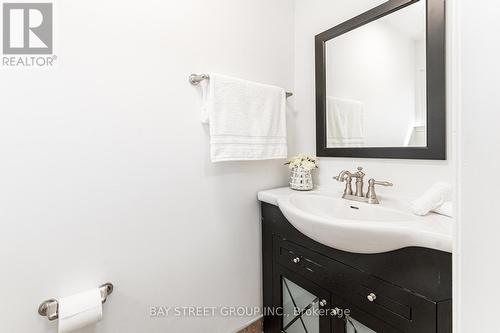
(345, 123)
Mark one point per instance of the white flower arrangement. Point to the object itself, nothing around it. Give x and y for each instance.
(307, 162)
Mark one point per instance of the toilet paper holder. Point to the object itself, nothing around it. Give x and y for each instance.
(50, 308)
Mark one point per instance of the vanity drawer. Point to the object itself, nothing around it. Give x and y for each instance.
(299, 260)
(397, 306)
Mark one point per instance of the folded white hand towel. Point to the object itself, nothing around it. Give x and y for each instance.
(445, 209)
(247, 120)
(433, 198)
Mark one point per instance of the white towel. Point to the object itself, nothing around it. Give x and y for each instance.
(433, 198)
(345, 123)
(445, 209)
(247, 120)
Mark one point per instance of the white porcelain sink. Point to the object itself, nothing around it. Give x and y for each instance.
(360, 227)
(343, 210)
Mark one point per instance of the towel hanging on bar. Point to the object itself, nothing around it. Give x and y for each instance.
(246, 120)
(195, 79)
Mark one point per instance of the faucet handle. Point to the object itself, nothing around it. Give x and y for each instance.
(371, 195)
(384, 183)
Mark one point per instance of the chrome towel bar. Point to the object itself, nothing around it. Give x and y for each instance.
(50, 308)
(195, 80)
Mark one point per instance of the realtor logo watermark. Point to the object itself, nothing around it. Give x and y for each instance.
(28, 35)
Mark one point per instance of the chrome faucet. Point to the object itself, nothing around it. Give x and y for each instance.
(371, 197)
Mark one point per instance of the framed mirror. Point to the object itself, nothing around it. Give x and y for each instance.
(380, 83)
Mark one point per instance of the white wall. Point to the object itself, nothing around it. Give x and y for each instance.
(375, 65)
(479, 162)
(410, 177)
(105, 172)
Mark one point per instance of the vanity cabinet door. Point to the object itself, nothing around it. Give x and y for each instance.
(395, 305)
(305, 306)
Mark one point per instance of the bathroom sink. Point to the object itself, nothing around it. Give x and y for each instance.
(360, 227)
(344, 210)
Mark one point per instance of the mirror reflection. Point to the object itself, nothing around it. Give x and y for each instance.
(376, 83)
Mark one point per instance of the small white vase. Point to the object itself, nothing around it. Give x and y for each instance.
(301, 179)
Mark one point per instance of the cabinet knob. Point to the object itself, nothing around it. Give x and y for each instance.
(323, 302)
(371, 297)
(296, 260)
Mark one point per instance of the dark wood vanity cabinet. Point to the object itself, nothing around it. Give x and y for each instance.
(311, 288)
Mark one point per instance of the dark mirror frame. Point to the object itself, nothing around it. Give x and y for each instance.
(436, 85)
